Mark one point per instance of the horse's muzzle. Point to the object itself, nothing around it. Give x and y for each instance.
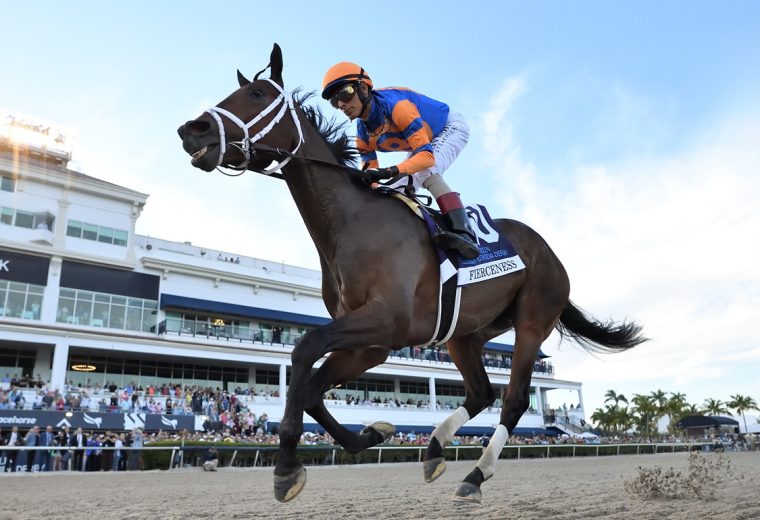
(200, 141)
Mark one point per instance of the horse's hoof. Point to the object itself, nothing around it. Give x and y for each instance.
(385, 429)
(433, 468)
(467, 492)
(287, 488)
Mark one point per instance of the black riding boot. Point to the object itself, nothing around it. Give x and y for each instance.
(461, 238)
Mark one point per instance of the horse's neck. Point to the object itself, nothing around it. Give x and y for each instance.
(324, 195)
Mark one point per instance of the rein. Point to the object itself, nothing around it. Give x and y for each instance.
(249, 146)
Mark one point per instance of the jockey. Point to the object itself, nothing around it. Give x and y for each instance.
(398, 119)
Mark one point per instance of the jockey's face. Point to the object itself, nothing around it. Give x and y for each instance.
(352, 107)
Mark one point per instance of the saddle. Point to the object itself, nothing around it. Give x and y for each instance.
(498, 257)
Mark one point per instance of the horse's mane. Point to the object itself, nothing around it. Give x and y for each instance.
(333, 132)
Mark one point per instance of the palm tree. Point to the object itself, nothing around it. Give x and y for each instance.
(612, 418)
(660, 398)
(676, 408)
(603, 419)
(742, 404)
(611, 395)
(622, 419)
(645, 414)
(715, 407)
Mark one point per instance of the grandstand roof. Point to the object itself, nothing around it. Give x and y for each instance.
(706, 421)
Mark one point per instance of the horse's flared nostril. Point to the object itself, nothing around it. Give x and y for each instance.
(197, 127)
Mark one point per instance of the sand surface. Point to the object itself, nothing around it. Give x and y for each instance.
(567, 488)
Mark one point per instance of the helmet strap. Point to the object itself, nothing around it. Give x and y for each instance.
(364, 98)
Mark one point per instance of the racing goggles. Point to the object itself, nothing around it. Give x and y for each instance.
(344, 95)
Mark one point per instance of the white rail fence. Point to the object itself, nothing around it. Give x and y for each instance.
(330, 455)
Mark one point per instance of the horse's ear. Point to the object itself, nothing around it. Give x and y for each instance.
(275, 62)
(242, 80)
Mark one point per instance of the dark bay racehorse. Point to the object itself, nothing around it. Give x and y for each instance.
(380, 280)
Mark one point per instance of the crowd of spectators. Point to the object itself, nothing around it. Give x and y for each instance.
(490, 359)
(69, 450)
(169, 399)
(176, 399)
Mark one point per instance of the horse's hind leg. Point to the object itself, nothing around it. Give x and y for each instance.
(340, 367)
(466, 352)
(515, 401)
(537, 311)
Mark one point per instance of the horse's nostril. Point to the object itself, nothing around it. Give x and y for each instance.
(197, 127)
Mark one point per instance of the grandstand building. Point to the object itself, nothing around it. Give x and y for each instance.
(86, 302)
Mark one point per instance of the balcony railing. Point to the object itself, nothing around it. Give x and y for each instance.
(195, 329)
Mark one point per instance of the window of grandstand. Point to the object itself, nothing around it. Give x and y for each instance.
(20, 300)
(368, 389)
(17, 362)
(79, 307)
(104, 234)
(150, 372)
(26, 219)
(414, 392)
(446, 390)
(267, 379)
(7, 183)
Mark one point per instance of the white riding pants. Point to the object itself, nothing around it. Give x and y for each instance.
(447, 146)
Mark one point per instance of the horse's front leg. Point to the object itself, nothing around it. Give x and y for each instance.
(372, 324)
(340, 367)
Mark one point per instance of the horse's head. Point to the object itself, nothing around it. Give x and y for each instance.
(226, 134)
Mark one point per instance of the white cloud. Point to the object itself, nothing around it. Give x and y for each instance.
(671, 240)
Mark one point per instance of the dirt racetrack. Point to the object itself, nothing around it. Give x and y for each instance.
(566, 488)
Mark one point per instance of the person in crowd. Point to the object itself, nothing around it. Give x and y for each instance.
(12, 439)
(91, 457)
(399, 119)
(43, 459)
(56, 455)
(119, 442)
(78, 442)
(210, 460)
(135, 455)
(263, 423)
(107, 455)
(26, 459)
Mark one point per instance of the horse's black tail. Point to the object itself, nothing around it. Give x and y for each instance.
(596, 336)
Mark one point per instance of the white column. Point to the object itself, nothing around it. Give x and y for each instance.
(539, 401)
(51, 292)
(60, 365)
(61, 222)
(42, 362)
(431, 384)
(283, 380)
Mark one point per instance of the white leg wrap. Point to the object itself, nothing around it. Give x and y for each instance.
(446, 430)
(487, 461)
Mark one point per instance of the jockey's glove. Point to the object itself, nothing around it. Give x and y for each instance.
(378, 174)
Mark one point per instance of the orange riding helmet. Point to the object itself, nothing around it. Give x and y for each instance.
(342, 73)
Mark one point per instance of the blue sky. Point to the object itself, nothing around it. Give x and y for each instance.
(627, 134)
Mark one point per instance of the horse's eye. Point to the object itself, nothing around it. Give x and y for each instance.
(256, 93)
